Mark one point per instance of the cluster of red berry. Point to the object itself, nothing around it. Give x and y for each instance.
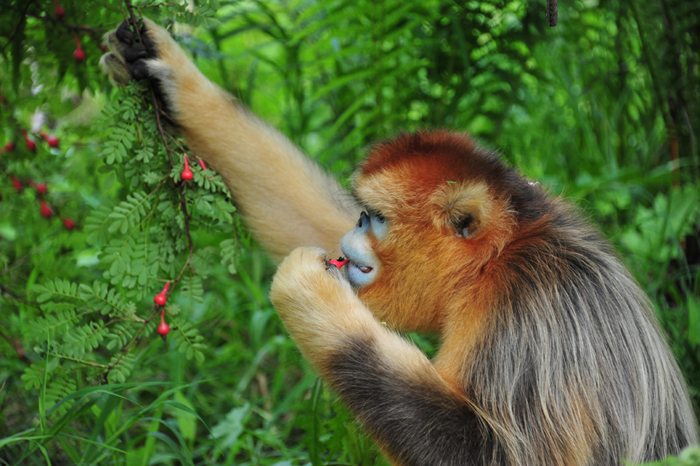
(187, 174)
(79, 54)
(31, 145)
(160, 299)
(41, 188)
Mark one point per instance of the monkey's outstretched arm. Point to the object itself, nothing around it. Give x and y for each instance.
(416, 416)
(285, 198)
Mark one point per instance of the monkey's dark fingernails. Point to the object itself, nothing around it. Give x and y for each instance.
(139, 70)
(124, 33)
(137, 50)
(338, 262)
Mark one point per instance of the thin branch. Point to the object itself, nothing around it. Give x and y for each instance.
(49, 19)
(183, 202)
(22, 15)
(81, 361)
(552, 12)
(15, 343)
(127, 348)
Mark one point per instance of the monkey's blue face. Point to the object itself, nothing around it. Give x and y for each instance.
(364, 265)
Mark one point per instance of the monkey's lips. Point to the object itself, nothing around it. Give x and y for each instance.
(341, 261)
(361, 268)
(359, 275)
(358, 270)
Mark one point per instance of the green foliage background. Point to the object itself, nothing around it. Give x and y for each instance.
(602, 108)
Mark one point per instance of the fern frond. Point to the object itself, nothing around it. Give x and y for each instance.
(128, 214)
(57, 289)
(56, 390)
(108, 300)
(121, 367)
(83, 339)
(188, 339)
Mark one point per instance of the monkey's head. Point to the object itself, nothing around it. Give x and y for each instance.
(438, 213)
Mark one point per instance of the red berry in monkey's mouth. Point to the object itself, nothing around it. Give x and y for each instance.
(339, 262)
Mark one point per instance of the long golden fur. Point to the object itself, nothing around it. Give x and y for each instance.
(551, 354)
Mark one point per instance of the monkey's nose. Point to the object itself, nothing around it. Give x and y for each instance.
(363, 222)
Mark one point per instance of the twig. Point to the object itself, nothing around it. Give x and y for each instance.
(125, 350)
(49, 19)
(163, 133)
(157, 5)
(6, 290)
(552, 12)
(24, 13)
(81, 361)
(183, 202)
(150, 87)
(15, 343)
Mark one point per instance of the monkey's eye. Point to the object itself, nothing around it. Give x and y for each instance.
(380, 226)
(467, 227)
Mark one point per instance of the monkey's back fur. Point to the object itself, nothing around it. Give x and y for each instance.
(567, 364)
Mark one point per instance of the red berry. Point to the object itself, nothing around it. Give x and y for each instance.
(79, 55)
(201, 164)
(161, 298)
(45, 209)
(52, 140)
(186, 173)
(41, 188)
(58, 11)
(31, 145)
(163, 328)
(70, 224)
(10, 146)
(17, 184)
(103, 48)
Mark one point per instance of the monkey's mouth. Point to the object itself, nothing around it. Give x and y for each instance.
(357, 272)
(361, 268)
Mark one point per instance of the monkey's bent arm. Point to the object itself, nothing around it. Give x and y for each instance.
(415, 415)
(286, 198)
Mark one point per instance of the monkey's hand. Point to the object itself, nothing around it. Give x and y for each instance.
(150, 54)
(317, 305)
(386, 381)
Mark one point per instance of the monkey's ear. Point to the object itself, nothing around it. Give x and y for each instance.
(468, 226)
(463, 208)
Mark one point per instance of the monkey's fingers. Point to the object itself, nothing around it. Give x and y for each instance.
(128, 53)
